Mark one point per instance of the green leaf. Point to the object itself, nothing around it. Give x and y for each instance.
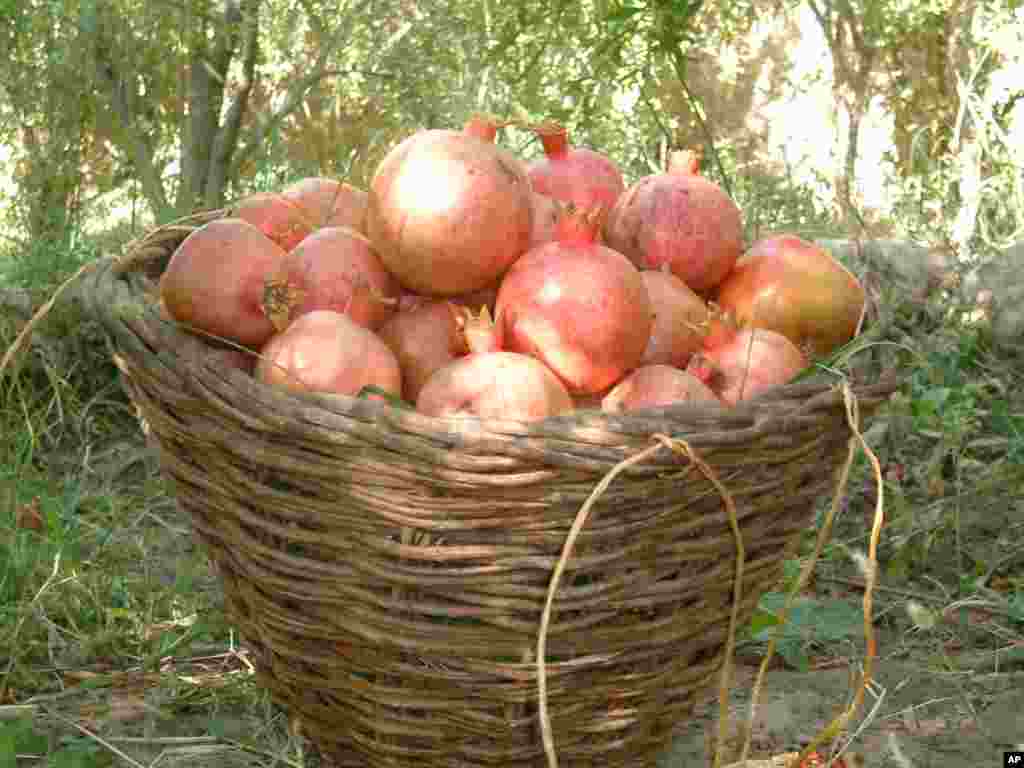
(794, 655)
(1004, 422)
(761, 621)
(17, 736)
(623, 13)
(1015, 607)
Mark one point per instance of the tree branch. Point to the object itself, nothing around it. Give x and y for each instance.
(823, 14)
(298, 92)
(679, 64)
(139, 148)
(847, 14)
(198, 130)
(227, 137)
(296, 95)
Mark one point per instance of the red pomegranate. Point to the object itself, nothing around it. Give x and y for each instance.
(681, 219)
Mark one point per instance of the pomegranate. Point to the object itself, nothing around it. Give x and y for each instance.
(424, 339)
(483, 127)
(485, 297)
(494, 385)
(796, 288)
(681, 219)
(325, 351)
(409, 300)
(737, 364)
(477, 329)
(334, 268)
(214, 280)
(328, 203)
(577, 306)
(449, 211)
(678, 313)
(277, 217)
(574, 175)
(654, 385)
(546, 212)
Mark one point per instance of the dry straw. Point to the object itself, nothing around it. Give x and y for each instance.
(840, 723)
(439, 592)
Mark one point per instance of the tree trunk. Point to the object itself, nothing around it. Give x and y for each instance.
(50, 176)
(205, 142)
(961, 62)
(218, 167)
(845, 179)
(215, 109)
(852, 62)
(197, 133)
(119, 90)
(53, 181)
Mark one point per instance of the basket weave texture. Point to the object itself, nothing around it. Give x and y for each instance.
(389, 570)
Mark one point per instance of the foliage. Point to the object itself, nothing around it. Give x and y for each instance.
(811, 623)
(961, 170)
(204, 101)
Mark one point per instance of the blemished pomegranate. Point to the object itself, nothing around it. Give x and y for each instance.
(449, 211)
(214, 280)
(424, 338)
(328, 202)
(277, 217)
(577, 306)
(494, 385)
(334, 268)
(576, 175)
(657, 385)
(681, 219)
(678, 313)
(325, 351)
(739, 363)
(798, 289)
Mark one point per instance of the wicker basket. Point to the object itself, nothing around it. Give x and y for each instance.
(390, 571)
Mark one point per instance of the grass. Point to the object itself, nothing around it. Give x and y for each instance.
(114, 622)
(113, 637)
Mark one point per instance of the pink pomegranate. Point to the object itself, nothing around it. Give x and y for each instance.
(739, 363)
(678, 314)
(577, 306)
(449, 211)
(494, 385)
(334, 268)
(681, 219)
(574, 175)
(657, 385)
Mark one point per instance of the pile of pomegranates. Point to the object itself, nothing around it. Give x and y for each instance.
(466, 281)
